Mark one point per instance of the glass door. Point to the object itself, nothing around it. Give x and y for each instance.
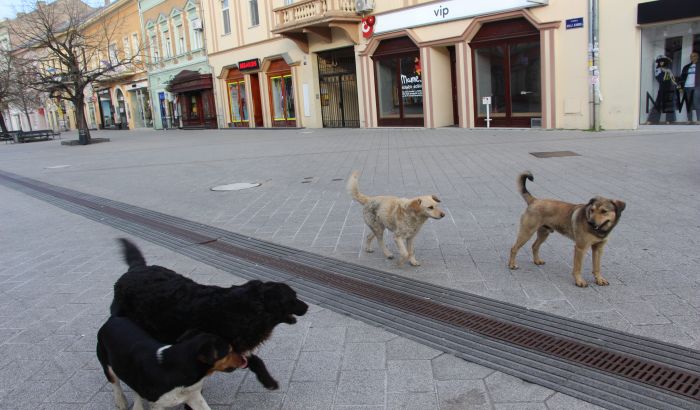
(509, 72)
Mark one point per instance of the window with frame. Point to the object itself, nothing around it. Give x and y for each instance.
(167, 43)
(238, 102)
(282, 92)
(155, 54)
(127, 48)
(195, 26)
(180, 34)
(225, 17)
(113, 57)
(136, 47)
(254, 16)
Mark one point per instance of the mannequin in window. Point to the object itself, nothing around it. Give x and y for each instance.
(691, 87)
(666, 96)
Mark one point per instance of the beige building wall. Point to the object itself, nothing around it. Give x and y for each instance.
(565, 75)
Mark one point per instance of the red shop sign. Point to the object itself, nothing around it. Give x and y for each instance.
(253, 64)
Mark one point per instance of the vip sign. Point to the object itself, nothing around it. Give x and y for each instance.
(368, 26)
(435, 13)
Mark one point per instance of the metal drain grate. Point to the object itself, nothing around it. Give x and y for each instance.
(667, 378)
(554, 154)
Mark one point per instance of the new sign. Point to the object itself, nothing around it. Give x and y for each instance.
(441, 12)
(253, 64)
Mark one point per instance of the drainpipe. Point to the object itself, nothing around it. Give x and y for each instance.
(594, 64)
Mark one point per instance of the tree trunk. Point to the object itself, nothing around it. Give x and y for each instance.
(83, 129)
(29, 122)
(2, 122)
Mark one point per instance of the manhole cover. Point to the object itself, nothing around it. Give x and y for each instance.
(235, 187)
(552, 154)
(57, 166)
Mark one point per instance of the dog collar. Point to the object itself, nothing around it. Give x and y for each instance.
(159, 353)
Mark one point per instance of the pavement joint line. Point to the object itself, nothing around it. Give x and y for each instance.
(272, 273)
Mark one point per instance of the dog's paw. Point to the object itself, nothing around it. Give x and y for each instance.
(581, 283)
(414, 263)
(601, 281)
(389, 256)
(513, 266)
(368, 250)
(538, 262)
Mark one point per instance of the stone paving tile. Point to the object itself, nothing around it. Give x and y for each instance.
(53, 299)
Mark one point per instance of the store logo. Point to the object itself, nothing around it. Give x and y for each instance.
(410, 80)
(441, 11)
(253, 64)
(368, 26)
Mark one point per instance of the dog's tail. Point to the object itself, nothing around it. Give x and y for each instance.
(132, 255)
(354, 188)
(523, 190)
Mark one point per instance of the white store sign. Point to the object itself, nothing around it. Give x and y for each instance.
(441, 12)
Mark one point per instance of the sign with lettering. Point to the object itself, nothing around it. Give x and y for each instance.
(253, 64)
(574, 23)
(440, 12)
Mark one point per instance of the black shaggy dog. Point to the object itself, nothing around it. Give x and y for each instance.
(166, 305)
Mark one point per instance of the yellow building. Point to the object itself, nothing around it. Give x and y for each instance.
(120, 99)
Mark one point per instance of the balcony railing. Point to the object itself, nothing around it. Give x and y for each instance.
(305, 13)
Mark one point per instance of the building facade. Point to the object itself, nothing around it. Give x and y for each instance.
(181, 86)
(119, 99)
(571, 64)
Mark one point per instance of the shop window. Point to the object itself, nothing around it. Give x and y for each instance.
(282, 96)
(400, 89)
(194, 110)
(659, 101)
(238, 103)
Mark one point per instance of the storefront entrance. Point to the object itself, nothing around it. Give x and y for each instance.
(106, 112)
(122, 111)
(237, 99)
(281, 88)
(338, 85)
(399, 83)
(506, 61)
(195, 99)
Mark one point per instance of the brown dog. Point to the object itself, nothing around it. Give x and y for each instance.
(588, 225)
(402, 216)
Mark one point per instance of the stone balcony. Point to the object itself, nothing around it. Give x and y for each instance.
(317, 17)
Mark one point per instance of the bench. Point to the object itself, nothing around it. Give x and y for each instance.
(37, 135)
(10, 136)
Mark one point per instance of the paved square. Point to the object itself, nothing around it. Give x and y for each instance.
(58, 268)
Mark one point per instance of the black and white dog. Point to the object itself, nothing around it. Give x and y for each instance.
(165, 375)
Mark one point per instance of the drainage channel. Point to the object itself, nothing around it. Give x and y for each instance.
(608, 368)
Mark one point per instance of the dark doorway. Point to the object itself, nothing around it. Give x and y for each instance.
(338, 84)
(257, 103)
(453, 76)
(506, 61)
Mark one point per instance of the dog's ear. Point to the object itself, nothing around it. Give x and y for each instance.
(620, 205)
(588, 208)
(436, 199)
(415, 205)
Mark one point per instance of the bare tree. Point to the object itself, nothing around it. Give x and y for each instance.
(5, 85)
(67, 45)
(21, 91)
